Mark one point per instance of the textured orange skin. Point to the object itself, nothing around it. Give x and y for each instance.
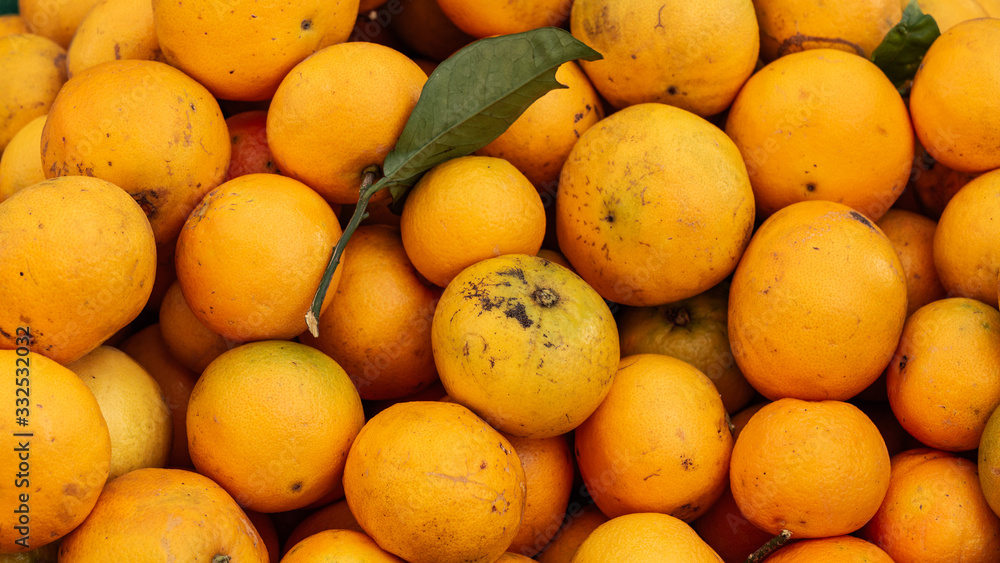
(68, 452)
(659, 442)
(955, 103)
(654, 206)
(251, 154)
(790, 445)
(154, 514)
(944, 379)
(77, 272)
(580, 522)
(645, 537)
(40, 68)
(948, 13)
(251, 255)
(671, 52)
(378, 324)
(548, 472)
(114, 30)
(57, 22)
(503, 17)
(432, 482)
(966, 255)
(21, 162)
(823, 124)
(912, 236)
(843, 549)
(266, 393)
(988, 461)
(854, 26)
(934, 510)
(325, 125)
(192, 343)
(336, 516)
(817, 303)
(243, 50)
(145, 127)
(13, 23)
(338, 545)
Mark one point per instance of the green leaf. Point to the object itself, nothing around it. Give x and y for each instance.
(474, 95)
(901, 52)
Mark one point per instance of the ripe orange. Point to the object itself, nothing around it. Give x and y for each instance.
(988, 457)
(948, 13)
(75, 273)
(842, 549)
(338, 545)
(175, 381)
(844, 135)
(854, 26)
(693, 55)
(58, 21)
(325, 126)
(504, 17)
(251, 154)
(646, 536)
(336, 516)
(422, 26)
(147, 128)
(271, 226)
(992, 7)
(13, 23)
(548, 473)
(935, 510)
(669, 224)
(466, 210)
(954, 101)
(817, 303)
(58, 461)
(659, 442)
(21, 161)
(912, 236)
(728, 532)
(525, 344)
(788, 447)
(943, 380)
(432, 482)
(114, 30)
(965, 251)
(192, 343)
(378, 325)
(157, 514)
(289, 414)
(134, 408)
(40, 68)
(242, 50)
(579, 523)
(268, 533)
(694, 330)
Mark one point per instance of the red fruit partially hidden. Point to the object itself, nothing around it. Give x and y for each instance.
(250, 151)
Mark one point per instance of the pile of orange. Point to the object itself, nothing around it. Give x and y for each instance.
(731, 290)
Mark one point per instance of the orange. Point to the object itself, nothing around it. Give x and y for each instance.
(58, 461)
(272, 227)
(504, 17)
(579, 523)
(432, 482)
(345, 546)
(838, 131)
(268, 533)
(965, 251)
(934, 184)
(654, 206)
(988, 458)
(378, 325)
(325, 126)
(176, 382)
(540, 140)
(548, 473)
(466, 210)
(954, 101)
(727, 531)
(912, 236)
(147, 128)
(155, 514)
(289, 414)
(114, 30)
(817, 303)
(57, 21)
(166, 274)
(422, 26)
(40, 68)
(509, 557)
(242, 50)
(992, 7)
(133, 407)
(694, 330)
(189, 341)
(21, 161)
(739, 420)
(659, 442)
(554, 256)
(525, 344)
(693, 55)
(935, 511)
(788, 447)
(336, 516)
(948, 13)
(13, 23)
(251, 154)
(944, 380)
(843, 549)
(644, 537)
(75, 273)
(854, 26)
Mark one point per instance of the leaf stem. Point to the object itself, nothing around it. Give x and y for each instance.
(368, 188)
(768, 548)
